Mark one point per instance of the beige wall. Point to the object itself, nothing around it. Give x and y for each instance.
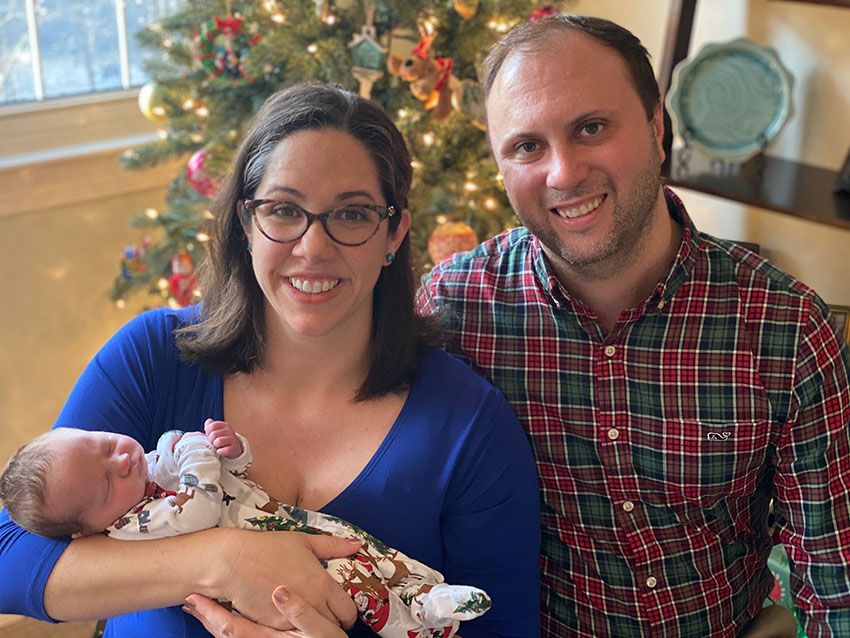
(57, 269)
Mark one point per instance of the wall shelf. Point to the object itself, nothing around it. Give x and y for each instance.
(766, 182)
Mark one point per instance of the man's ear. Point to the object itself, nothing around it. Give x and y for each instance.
(657, 123)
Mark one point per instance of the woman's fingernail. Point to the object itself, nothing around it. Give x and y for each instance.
(188, 603)
(281, 594)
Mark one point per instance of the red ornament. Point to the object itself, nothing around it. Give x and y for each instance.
(542, 12)
(199, 179)
(450, 238)
(183, 280)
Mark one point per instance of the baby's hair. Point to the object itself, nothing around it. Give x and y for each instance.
(23, 489)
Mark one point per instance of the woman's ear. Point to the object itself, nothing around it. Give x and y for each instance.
(398, 235)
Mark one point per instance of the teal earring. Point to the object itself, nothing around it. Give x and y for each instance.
(389, 258)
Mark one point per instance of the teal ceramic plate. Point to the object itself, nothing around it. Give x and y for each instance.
(731, 99)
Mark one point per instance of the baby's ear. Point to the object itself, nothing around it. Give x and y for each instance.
(77, 535)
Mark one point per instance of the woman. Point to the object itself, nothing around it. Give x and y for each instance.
(307, 344)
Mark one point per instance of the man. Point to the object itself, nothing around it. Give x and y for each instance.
(672, 384)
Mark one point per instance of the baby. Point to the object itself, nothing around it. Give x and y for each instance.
(72, 482)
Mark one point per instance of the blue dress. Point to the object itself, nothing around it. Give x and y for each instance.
(453, 484)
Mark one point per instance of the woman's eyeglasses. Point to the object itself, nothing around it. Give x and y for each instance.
(349, 225)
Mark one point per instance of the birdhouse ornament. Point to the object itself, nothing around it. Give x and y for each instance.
(367, 55)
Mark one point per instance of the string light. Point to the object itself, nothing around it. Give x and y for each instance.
(120, 304)
(278, 18)
(196, 137)
(162, 283)
(202, 237)
(208, 215)
(490, 203)
(162, 134)
(151, 213)
(329, 19)
(470, 186)
(441, 219)
(202, 111)
(428, 138)
(312, 48)
(189, 104)
(499, 25)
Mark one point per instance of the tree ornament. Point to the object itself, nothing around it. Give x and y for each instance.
(450, 238)
(223, 45)
(367, 55)
(133, 259)
(183, 280)
(199, 178)
(151, 103)
(466, 8)
(542, 12)
(431, 79)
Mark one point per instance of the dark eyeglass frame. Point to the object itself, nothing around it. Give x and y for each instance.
(250, 206)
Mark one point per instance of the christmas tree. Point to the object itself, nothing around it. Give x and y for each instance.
(222, 59)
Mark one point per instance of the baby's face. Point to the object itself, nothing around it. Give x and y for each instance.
(100, 475)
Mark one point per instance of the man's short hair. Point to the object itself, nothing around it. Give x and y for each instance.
(529, 37)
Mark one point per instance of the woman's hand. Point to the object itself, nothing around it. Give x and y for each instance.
(253, 565)
(307, 622)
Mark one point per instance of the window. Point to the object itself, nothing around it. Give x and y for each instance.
(56, 48)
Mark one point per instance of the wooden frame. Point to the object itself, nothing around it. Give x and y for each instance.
(842, 318)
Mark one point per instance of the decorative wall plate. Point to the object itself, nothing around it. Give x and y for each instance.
(731, 99)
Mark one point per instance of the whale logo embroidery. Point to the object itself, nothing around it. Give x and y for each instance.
(718, 436)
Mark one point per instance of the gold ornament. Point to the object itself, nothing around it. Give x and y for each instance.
(151, 104)
(450, 238)
(466, 8)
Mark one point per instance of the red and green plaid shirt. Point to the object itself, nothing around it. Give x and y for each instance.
(660, 445)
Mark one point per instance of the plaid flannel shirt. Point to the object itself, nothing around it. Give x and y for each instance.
(661, 444)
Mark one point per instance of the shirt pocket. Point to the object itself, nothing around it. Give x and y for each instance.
(700, 461)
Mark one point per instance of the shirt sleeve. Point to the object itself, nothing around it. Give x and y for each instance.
(491, 523)
(113, 393)
(195, 506)
(813, 481)
(239, 466)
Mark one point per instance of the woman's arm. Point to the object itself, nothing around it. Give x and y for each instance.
(491, 523)
(97, 577)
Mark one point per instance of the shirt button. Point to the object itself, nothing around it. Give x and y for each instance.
(628, 506)
(651, 582)
(660, 304)
(613, 434)
(609, 351)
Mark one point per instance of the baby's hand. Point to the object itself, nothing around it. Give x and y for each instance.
(223, 438)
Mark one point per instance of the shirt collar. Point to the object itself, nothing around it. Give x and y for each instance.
(679, 271)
